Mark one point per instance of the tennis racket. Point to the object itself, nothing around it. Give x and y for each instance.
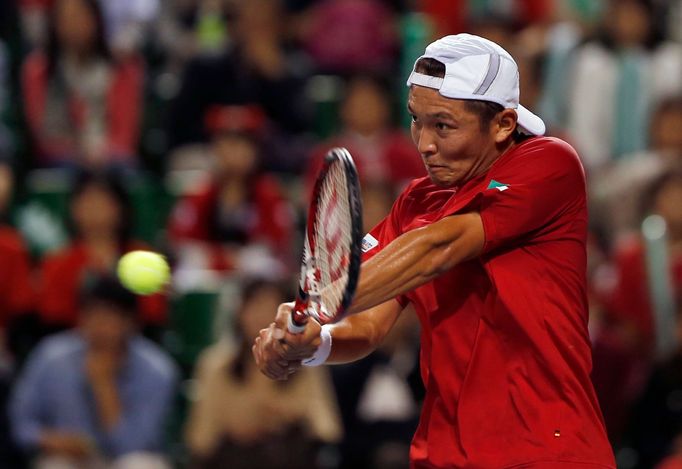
(331, 253)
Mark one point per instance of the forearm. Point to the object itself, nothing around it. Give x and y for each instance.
(415, 258)
(357, 336)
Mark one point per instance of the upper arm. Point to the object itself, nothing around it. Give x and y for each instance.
(454, 239)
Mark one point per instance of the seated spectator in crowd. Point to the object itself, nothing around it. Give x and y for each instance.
(16, 285)
(127, 23)
(382, 152)
(16, 299)
(616, 193)
(243, 420)
(239, 216)
(379, 398)
(655, 431)
(100, 218)
(95, 397)
(82, 105)
(256, 69)
(617, 79)
(351, 36)
(630, 301)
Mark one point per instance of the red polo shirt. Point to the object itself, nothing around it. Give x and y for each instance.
(506, 355)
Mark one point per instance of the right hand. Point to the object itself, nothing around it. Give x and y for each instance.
(278, 353)
(71, 445)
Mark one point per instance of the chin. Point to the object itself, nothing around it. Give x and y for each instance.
(442, 183)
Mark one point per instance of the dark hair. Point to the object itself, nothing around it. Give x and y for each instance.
(54, 48)
(656, 27)
(108, 290)
(485, 110)
(111, 183)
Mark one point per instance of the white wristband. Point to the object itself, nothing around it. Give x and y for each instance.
(322, 353)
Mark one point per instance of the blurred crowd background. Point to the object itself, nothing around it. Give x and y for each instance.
(195, 127)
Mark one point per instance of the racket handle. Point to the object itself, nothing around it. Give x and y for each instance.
(297, 321)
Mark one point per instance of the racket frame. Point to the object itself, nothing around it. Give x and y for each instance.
(300, 313)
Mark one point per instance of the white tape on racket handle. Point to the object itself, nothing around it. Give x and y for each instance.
(293, 327)
(325, 348)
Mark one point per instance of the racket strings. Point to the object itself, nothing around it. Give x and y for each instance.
(333, 240)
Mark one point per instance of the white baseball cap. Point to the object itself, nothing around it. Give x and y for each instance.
(477, 69)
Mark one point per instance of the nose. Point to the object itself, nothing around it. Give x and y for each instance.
(425, 142)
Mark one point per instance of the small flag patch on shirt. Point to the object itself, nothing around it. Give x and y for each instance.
(500, 186)
(369, 242)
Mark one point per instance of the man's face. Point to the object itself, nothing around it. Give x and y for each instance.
(104, 327)
(449, 137)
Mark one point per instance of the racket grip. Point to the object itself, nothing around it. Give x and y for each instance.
(297, 321)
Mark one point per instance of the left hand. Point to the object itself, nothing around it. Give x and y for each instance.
(277, 352)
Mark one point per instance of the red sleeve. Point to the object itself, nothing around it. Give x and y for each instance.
(124, 104)
(275, 214)
(16, 288)
(58, 288)
(34, 89)
(525, 196)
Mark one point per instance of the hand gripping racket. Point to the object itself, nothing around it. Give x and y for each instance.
(331, 251)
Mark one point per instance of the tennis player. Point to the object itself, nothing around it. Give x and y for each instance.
(490, 250)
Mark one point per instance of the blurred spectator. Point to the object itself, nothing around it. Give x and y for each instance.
(656, 426)
(377, 199)
(82, 106)
(16, 299)
(616, 193)
(126, 22)
(6, 138)
(16, 287)
(631, 302)
(255, 69)
(242, 419)
(191, 28)
(96, 397)
(379, 399)
(381, 151)
(351, 36)
(617, 79)
(238, 219)
(100, 217)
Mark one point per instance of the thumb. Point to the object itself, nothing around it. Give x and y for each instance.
(282, 318)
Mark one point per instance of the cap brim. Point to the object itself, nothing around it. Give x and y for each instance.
(529, 122)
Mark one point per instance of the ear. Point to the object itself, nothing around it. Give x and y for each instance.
(505, 125)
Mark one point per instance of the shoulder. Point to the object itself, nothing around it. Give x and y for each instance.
(543, 154)
(69, 255)
(153, 360)
(11, 241)
(57, 349)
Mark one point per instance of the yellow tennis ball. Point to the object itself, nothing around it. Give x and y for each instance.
(143, 272)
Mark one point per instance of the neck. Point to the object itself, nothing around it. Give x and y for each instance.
(490, 157)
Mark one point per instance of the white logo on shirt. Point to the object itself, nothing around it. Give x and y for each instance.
(369, 242)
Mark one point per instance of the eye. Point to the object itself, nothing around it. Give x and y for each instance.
(442, 126)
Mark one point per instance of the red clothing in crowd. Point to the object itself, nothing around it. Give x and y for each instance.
(16, 290)
(268, 220)
(61, 277)
(390, 158)
(123, 110)
(505, 354)
(630, 300)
